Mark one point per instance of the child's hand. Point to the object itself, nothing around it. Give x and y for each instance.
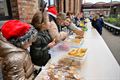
(51, 44)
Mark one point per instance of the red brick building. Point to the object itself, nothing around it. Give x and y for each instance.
(25, 9)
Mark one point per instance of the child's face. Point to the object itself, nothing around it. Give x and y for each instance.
(60, 22)
(26, 45)
(67, 22)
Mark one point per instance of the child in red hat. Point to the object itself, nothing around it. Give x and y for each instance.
(15, 38)
(54, 29)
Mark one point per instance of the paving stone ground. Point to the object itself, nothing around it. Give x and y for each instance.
(113, 43)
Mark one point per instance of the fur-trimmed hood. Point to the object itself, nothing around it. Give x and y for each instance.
(6, 47)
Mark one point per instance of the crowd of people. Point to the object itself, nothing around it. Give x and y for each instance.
(24, 45)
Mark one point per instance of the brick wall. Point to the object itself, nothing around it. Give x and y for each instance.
(14, 8)
(24, 9)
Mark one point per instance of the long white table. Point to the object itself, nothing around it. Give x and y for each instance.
(100, 64)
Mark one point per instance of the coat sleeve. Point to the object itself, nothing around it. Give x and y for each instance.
(76, 30)
(13, 68)
(53, 30)
(72, 26)
(37, 45)
(93, 23)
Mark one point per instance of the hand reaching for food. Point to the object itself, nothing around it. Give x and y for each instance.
(64, 47)
(51, 44)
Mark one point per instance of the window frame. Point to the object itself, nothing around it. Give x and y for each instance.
(50, 4)
(9, 12)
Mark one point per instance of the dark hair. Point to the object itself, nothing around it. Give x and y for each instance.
(68, 14)
(37, 20)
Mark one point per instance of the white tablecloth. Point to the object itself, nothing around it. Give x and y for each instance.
(100, 64)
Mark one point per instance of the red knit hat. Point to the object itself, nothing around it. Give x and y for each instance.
(14, 29)
(52, 11)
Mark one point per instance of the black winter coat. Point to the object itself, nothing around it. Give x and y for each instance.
(98, 24)
(39, 49)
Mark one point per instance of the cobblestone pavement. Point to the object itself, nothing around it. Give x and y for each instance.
(113, 43)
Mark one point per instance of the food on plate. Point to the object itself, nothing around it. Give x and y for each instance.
(80, 52)
(52, 66)
(78, 36)
(76, 40)
(72, 68)
(65, 62)
(72, 52)
(61, 74)
(77, 76)
(72, 76)
(66, 69)
(76, 64)
(70, 62)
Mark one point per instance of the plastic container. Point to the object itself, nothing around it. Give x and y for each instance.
(80, 59)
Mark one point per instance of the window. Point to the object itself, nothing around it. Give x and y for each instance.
(5, 9)
(50, 2)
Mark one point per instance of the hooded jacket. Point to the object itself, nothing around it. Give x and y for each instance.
(39, 49)
(15, 62)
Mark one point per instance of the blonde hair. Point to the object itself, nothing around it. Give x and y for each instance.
(96, 16)
(61, 15)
